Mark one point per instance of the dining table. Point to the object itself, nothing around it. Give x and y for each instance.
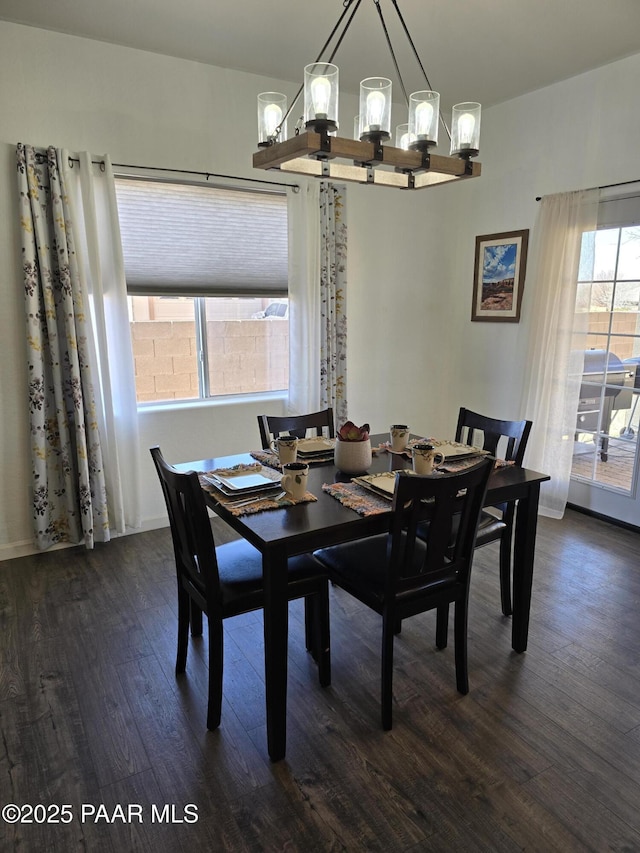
(307, 526)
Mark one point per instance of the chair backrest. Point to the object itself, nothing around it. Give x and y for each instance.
(452, 503)
(272, 425)
(516, 434)
(193, 543)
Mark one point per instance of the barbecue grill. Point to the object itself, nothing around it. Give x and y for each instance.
(601, 365)
(633, 364)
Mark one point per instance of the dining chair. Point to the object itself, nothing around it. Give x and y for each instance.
(272, 425)
(507, 440)
(226, 580)
(400, 575)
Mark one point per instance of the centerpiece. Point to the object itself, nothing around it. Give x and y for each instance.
(353, 448)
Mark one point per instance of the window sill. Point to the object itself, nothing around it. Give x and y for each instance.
(211, 402)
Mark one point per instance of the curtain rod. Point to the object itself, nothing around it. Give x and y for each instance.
(206, 175)
(605, 186)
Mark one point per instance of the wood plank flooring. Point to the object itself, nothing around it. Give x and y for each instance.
(542, 755)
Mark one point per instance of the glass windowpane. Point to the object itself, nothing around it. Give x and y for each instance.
(629, 260)
(247, 345)
(163, 333)
(606, 250)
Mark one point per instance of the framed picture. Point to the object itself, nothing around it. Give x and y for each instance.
(498, 279)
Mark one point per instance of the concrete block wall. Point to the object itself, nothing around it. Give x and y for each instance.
(244, 356)
(623, 323)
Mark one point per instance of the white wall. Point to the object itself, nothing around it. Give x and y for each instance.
(414, 355)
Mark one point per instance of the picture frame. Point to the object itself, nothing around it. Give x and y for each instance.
(498, 278)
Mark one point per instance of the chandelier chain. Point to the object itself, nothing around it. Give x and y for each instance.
(418, 60)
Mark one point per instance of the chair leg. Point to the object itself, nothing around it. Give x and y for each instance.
(388, 628)
(309, 626)
(183, 630)
(505, 571)
(442, 626)
(397, 629)
(460, 634)
(216, 660)
(322, 634)
(196, 620)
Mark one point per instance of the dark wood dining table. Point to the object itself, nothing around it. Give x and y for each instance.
(282, 533)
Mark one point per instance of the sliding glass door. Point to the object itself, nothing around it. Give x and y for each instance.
(605, 459)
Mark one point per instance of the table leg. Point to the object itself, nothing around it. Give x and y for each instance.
(276, 627)
(523, 556)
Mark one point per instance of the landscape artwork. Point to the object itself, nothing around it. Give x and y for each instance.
(499, 276)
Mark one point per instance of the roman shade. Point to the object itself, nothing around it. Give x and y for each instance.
(195, 240)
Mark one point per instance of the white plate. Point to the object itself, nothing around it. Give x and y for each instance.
(313, 446)
(380, 484)
(242, 482)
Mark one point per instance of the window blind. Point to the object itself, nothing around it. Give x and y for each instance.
(619, 212)
(200, 240)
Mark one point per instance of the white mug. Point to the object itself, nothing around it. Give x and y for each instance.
(399, 435)
(287, 448)
(294, 479)
(425, 458)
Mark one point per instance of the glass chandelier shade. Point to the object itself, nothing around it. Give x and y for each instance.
(424, 113)
(272, 108)
(465, 129)
(321, 96)
(375, 109)
(403, 137)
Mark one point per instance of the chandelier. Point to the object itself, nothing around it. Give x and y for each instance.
(317, 150)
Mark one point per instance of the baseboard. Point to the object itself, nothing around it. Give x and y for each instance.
(28, 549)
(615, 521)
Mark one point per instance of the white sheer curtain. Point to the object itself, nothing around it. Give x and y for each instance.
(94, 212)
(304, 299)
(557, 340)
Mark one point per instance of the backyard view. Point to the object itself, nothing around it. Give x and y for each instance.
(246, 346)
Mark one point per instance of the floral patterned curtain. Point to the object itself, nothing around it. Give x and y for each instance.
(333, 320)
(69, 494)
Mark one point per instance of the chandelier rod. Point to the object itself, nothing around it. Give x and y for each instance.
(391, 51)
(347, 5)
(415, 53)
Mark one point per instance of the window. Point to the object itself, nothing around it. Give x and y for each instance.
(609, 294)
(205, 267)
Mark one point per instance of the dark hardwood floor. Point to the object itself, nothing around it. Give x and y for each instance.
(542, 755)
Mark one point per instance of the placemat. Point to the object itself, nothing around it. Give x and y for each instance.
(356, 498)
(235, 504)
(270, 458)
(249, 467)
(453, 466)
(267, 457)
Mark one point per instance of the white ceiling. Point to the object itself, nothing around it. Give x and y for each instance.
(479, 50)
